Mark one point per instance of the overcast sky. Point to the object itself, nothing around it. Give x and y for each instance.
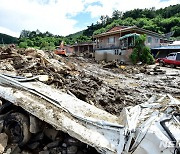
(63, 17)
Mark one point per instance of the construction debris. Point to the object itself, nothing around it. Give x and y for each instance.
(112, 64)
(3, 142)
(106, 133)
(110, 87)
(89, 81)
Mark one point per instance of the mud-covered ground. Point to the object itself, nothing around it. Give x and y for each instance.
(107, 86)
(119, 86)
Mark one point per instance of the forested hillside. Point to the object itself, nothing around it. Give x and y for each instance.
(6, 39)
(38, 39)
(47, 40)
(161, 21)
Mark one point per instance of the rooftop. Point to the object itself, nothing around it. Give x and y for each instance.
(128, 29)
(177, 43)
(177, 47)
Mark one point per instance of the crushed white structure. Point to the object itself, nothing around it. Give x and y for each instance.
(151, 127)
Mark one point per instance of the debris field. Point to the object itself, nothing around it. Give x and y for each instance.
(108, 86)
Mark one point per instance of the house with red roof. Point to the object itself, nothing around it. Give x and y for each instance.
(118, 43)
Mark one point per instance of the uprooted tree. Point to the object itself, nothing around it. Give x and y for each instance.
(141, 52)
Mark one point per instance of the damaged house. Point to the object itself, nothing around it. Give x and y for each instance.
(85, 48)
(118, 42)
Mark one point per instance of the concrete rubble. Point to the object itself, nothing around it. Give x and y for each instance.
(3, 142)
(117, 91)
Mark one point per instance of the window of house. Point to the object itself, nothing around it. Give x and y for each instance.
(111, 40)
(156, 40)
(149, 39)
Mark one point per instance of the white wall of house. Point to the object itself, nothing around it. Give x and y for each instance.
(107, 41)
(120, 54)
(107, 55)
(152, 41)
(113, 54)
(113, 41)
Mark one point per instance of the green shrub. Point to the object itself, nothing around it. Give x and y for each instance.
(134, 56)
(141, 52)
(23, 45)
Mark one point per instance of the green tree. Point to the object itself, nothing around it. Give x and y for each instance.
(141, 52)
(25, 33)
(32, 34)
(82, 38)
(116, 14)
(44, 44)
(102, 30)
(30, 43)
(103, 20)
(128, 22)
(23, 44)
(176, 30)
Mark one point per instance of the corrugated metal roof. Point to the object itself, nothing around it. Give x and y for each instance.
(167, 48)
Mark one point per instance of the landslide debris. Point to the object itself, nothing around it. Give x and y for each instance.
(109, 86)
(64, 74)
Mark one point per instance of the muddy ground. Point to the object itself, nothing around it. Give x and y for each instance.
(116, 87)
(108, 86)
